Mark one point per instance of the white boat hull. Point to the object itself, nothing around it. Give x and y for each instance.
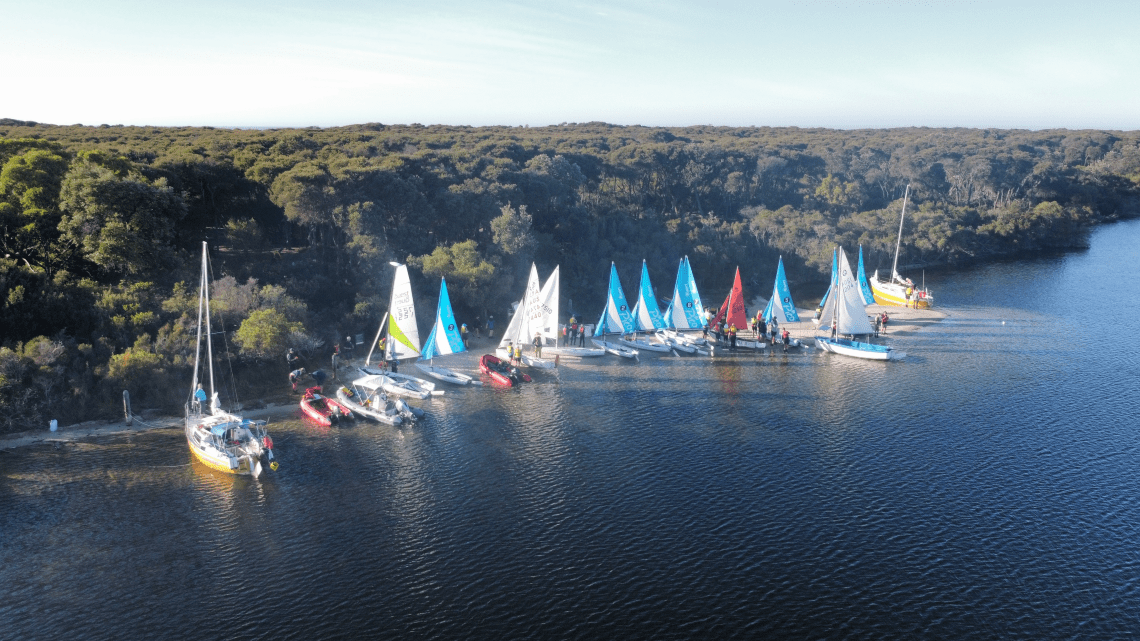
(403, 384)
(574, 352)
(615, 349)
(644, 345)
(447, 375)
(855, 349)
(375, 407)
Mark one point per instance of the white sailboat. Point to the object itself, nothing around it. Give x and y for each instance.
(530, 319)
(550, 325)
(403, 341)
(846, 308)
(444, 339)
(899, 291)
(646, 317)
(615, 318)
(218, 439)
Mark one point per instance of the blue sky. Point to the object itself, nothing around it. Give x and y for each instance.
(794, 63)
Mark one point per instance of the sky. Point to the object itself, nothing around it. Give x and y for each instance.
(825, 63)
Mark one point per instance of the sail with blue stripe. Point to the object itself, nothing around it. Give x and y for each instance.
(685, 310)
(834, 276)
(646, 314)
(616, 317)
(865, 286)
(781, 301)
(444, 337)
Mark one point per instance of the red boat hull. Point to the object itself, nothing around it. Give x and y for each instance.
(323, 410)
(494, 367)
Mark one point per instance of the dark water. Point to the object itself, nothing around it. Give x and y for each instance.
(984, 488)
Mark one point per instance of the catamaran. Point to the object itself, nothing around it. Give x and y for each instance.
(646, 317)
(218, 439)
(846, 308)
(615, 318)
(899, 291)
(528, 321)
(403, 341)
(444, 339)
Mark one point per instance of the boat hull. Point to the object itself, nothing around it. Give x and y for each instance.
(894, 295)
(856, 349)
(574, 352)
(446, 375)
(644, 345)
(348, 398)
(241, 458)
(493, 366)
(615, 349)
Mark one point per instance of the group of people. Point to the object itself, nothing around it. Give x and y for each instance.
(725, 333)
(573, 333)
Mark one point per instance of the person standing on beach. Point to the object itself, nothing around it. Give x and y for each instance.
(335, 355)
(732, 337)
(537, 345)
(295, 376)
(463, 334)
(787, 339)
(490, 327)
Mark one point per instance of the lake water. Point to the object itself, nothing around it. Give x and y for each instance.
(986, 487)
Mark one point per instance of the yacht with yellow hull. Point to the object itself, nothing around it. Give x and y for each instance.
(898, 291)
(218, 439)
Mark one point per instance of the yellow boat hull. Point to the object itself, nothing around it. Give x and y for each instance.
(221, 466)
(895, 296)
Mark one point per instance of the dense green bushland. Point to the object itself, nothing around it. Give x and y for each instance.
(101, 227)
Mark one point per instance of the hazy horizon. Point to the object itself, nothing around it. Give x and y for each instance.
(829, 64)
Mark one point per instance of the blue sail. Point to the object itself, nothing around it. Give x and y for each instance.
(865, 286)
(616, 317)
(646, 314)
(834, 276)
(444, 337)
(781, 300)
(685, 310)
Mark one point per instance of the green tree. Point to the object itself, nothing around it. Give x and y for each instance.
(265, 332)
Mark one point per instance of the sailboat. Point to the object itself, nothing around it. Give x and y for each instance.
(529, 319)
(685, 313)
(780, 305)
(845, 306)
(403, 342)
(218, 439)
(444, 339)
(899, 291)
(615, 318)
(733, 312)
(646, 317)
(550, 325)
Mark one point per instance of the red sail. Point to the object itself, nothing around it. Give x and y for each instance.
(720, 312)
(737, 315)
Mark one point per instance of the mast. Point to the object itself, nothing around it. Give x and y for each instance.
(206, 297)
(895, 267)
(201, 303)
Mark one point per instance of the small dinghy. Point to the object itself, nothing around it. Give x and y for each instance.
(373, 405)
(444, 339)
(500, 372)
(322, 409)
(846, 308)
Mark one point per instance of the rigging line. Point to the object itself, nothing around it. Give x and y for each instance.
(225, 343)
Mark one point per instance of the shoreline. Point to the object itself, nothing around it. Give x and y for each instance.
(904, 321)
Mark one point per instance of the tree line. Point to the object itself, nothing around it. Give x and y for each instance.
(100, 226)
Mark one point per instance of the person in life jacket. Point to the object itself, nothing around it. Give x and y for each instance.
(786, 338)
(732, 336)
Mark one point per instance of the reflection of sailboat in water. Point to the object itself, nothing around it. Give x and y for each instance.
(899, 291)
(218, 439)
(845, 307)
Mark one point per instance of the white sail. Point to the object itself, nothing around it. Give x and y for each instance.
(528, 318)
(403, 332)
(548, 325)
(847, 308)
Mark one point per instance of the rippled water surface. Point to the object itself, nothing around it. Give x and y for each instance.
(986, 487)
